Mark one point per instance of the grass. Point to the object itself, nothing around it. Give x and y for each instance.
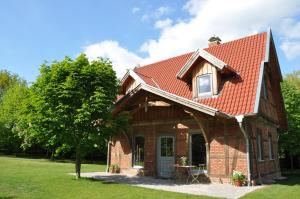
(289, 188)
(32, 178)
(37, 178)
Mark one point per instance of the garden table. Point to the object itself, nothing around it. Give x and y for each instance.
(183, 171)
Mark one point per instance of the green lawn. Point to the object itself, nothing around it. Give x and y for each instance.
(288, 189)
(31, 178)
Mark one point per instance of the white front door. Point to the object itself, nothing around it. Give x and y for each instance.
(165, 154)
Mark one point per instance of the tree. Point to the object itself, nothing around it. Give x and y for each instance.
(13, 93)
(294, 78)
(7, 79)
(71, 102)
(290, 140)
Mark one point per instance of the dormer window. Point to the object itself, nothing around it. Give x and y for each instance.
(204, 85)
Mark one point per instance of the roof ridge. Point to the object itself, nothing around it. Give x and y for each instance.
(228, 42)
(235, 40)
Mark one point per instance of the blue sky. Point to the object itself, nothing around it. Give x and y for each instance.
(136, 32)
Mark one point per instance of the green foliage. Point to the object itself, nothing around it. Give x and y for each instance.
(183, 161)
(238, 176)
(7, 79)
(15, 91)
(290, 140)
(70, 105)
(294, 79)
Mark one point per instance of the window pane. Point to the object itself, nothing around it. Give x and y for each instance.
(204, 84)
(166, 147)
(271, 154)
(163, 147)
(169, 151)
(264, 88)
(260, 154)
(139, 151)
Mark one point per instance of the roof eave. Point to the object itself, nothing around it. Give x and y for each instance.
(175, 98)
(262, 69)
(205, 55)
(132, 74)
(180, 100)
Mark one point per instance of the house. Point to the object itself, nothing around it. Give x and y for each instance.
(220, 106)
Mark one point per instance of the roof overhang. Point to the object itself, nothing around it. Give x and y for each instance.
(130, 74)
(205, 55)
(172, 97)
(269, 42)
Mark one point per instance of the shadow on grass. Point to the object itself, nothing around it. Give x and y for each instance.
(99, 180)
(292, 180)
(7, 197)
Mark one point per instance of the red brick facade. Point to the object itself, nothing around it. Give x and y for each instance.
(227, 150)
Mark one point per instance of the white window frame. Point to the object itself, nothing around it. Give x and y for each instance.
(211, 85)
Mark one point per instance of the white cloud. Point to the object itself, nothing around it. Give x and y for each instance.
(162, 24)
(135, 10)
(228, 19)
(121, 58)
(291, 49)
(163, 10)
(156, 14)
(290, 28)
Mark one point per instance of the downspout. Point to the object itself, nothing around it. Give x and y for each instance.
(239, 119)
(108, 156)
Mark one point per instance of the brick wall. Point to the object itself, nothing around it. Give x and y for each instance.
(267, 167)
(226, 141)
(121, 152)
(227, 151)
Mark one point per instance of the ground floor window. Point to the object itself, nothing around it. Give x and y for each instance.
(139, 148)
(259, 144)
(271, 153)
(197, 149)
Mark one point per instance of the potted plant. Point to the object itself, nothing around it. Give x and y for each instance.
(238, 178)
(115, 168)
(183, 161)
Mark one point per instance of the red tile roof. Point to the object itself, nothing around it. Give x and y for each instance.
(236, 97)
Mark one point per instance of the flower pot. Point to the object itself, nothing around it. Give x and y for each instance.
(238, 183)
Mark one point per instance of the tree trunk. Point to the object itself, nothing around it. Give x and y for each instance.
(292, 164)
(52, 153)
(78, 162)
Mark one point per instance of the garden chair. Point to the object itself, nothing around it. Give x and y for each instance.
(194, 174)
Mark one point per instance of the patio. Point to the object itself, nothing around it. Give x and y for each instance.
(212, 189)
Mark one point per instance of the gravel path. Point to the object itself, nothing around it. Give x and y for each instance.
(213, 189)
